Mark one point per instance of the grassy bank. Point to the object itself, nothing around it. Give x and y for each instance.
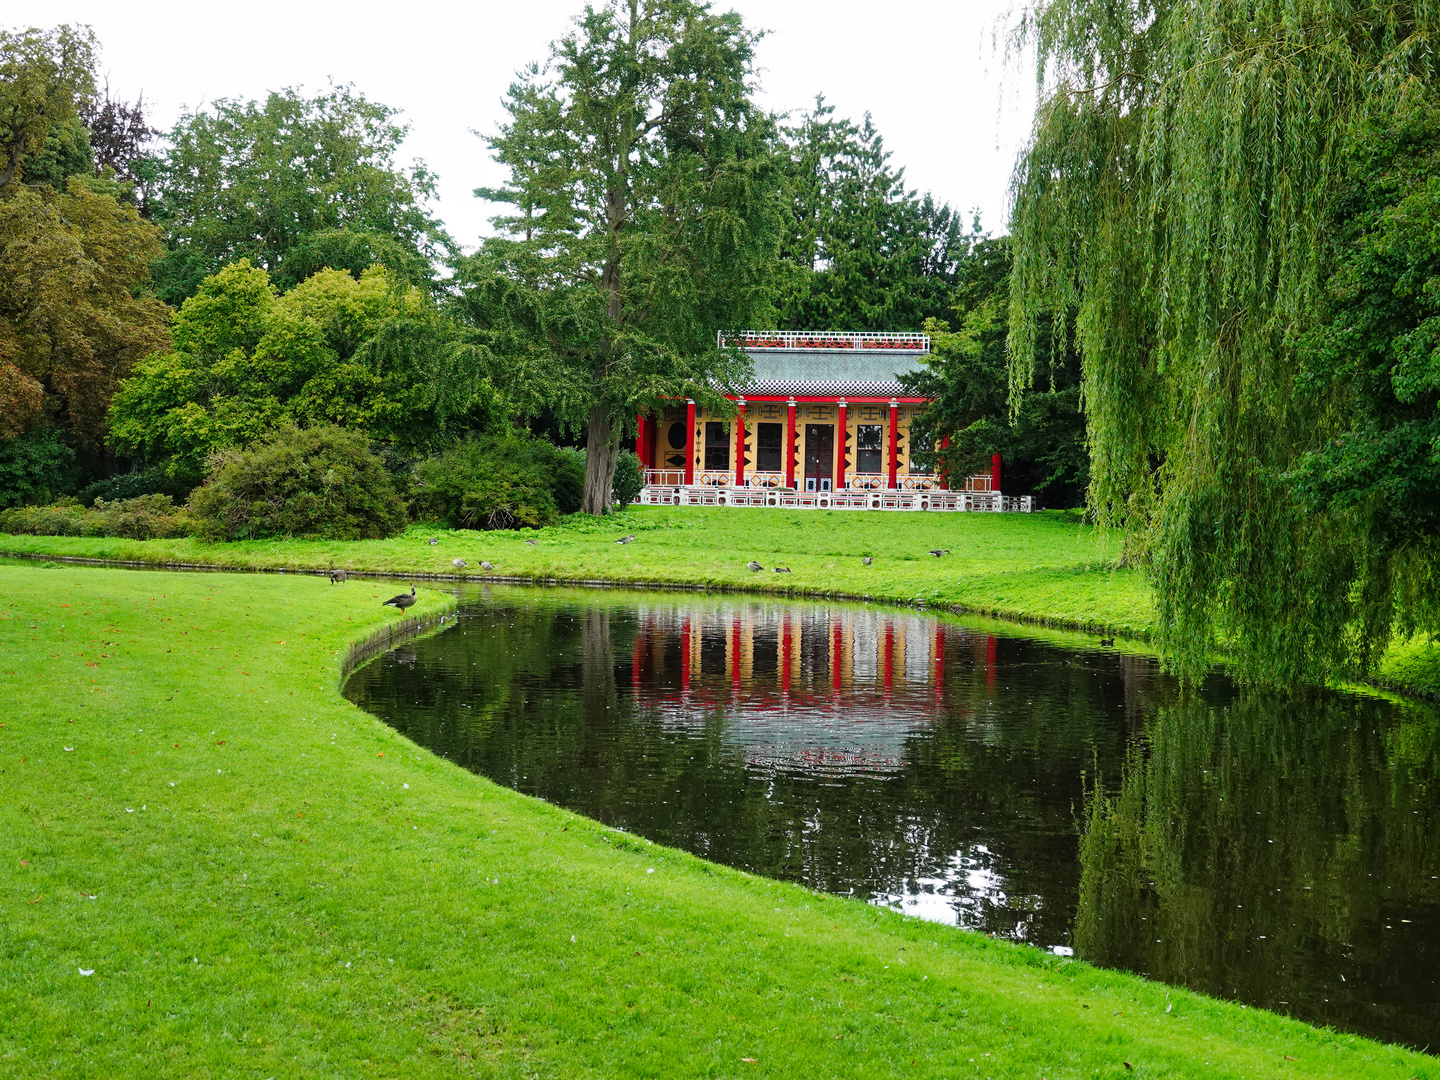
(263, 880)
(1047, 568)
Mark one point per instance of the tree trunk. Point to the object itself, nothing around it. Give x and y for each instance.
(602, 449)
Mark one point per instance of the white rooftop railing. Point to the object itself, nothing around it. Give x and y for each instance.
(826, 340)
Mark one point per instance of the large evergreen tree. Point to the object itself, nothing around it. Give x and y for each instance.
(644, 218)
(861, 251)
(1179, 194)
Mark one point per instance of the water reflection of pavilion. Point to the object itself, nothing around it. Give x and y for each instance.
(837, 689)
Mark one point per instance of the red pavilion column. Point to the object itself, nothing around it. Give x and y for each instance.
(790, 445)
(894, 445)
(995, 472)
(740, 446)
(689, 441)
(642, 441)
(840, 447)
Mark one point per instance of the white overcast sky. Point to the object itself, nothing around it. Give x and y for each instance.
(951, 112)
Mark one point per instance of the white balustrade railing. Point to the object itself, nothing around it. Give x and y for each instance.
(826, 340)
(847, 499)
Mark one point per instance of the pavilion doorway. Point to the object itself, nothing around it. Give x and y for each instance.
(819, 457)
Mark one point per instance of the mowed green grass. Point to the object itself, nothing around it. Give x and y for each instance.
(266, 881)
(1048, 567)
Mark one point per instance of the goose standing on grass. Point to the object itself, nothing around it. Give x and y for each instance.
(459, 564)
(486, 565)
(337, 576)
(433, 541)
(940, 551)
(401, 602)
(867, 560)
(753, 566)
(626, 539)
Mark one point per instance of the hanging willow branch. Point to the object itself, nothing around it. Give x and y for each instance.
(1178, 193)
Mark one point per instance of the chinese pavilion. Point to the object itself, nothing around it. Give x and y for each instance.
(824, 425)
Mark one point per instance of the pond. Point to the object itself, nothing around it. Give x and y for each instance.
(1282, 850)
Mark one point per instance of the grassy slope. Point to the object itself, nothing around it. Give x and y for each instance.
(314, 895)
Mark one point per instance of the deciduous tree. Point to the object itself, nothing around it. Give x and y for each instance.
(1178, 194)
(294, 184)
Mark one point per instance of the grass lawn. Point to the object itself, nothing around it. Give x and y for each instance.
(1046, 568)
(215, 866)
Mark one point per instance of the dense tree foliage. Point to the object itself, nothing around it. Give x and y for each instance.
(644, 217)
(295, 185)
(74, 316)
(44, 76)
(1179, 196)
(861, 252)
(370, 354)
(969, 417)
(500, 481)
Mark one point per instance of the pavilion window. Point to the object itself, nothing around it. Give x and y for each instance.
(919, 444)
(768, 441)
(717, 446)
(869, 444)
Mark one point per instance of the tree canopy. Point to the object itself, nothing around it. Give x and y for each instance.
(371, 354)
(1178, 195)
(644, 217)
(294, 184)
(861, 251)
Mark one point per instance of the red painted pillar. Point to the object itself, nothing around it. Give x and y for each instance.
(689, 441)
(995, 472)
(945, 473)
(642, 440)
(740, 446)
(840, 448)
(894, 446)
(790, 445)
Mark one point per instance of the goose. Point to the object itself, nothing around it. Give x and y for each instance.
(531, 543)
(626, 539)
(337, 576)
(486, 565)
(401, 602)
(459, 564)
(940, 551)
(752, 565)
(781, 569)
(1107, 642)
(867, 560)
(433, 541)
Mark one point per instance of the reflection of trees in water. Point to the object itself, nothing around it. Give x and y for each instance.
(1262, 848)
(973, 810)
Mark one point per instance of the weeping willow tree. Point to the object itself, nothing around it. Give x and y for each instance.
(1179, 193)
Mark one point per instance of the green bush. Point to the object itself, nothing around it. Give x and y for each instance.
(149, 517)
(629, 479)
(503, 481)
(305, 482)
(133, 485)
(35, 468)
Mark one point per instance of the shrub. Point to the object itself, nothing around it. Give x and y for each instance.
(35, 468)
(629, 479)
(150, 517)
(306, 482)
(503, 481)
(133, 485)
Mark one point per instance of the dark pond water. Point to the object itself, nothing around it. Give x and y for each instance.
(1281, 850)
